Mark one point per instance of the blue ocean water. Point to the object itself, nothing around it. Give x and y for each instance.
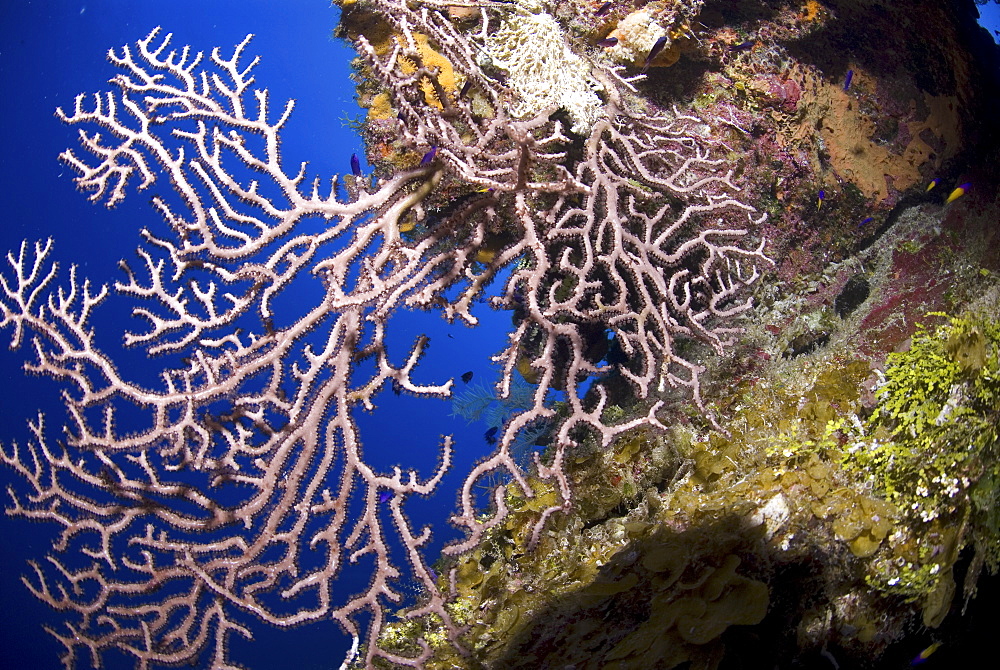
(989, 18)
(50, 52)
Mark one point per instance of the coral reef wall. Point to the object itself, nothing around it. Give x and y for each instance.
(835, 503)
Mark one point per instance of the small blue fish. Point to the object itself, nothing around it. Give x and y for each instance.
(465, 88)
(429, 156)
(958, 193)
(932, 184)
(355, 165)
(384, 496)
(657, 48)
(744, 46)
(868, 220)
(491, 435)
(848, 78)
(603, 9)
(467, 377)
(608, 42)
(820, 198)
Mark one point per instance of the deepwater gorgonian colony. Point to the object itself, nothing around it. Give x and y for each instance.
(248, 486)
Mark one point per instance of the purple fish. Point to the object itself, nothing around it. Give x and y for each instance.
(491, 435)
(465, 88)
(847, 80)
(657, 48)
(429, 156)
(745, 46)
(384, 496)
(603, 9)
(958, 193)
(922, 657)
(355, 165)
(608, 42)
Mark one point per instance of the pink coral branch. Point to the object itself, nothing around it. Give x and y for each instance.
(632, 229)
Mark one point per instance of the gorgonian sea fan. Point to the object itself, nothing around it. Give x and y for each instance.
(247, 491)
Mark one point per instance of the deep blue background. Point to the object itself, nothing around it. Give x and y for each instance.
(51, 51)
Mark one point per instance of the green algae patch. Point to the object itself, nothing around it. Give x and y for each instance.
(933, 452)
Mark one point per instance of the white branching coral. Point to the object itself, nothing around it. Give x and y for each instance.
(543, 72)
(635, 229)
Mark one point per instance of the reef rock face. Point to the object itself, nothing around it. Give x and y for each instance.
(851, 495)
